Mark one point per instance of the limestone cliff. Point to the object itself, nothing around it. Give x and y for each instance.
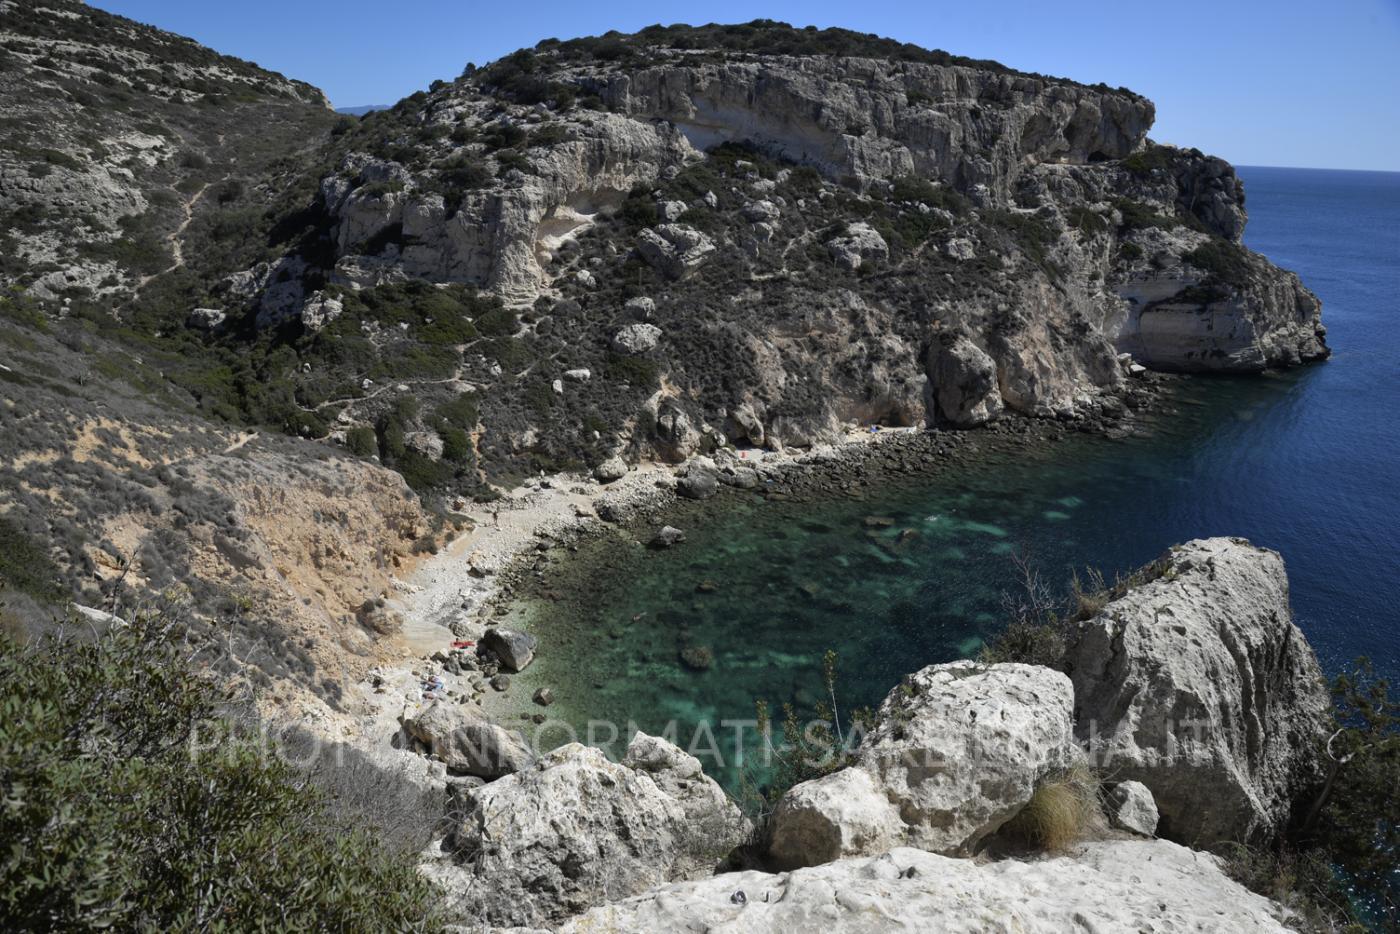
(812, 228)
(822, 224)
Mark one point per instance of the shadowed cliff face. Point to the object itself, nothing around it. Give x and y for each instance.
(810, 229)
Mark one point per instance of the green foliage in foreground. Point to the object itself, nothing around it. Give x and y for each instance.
(111, 819)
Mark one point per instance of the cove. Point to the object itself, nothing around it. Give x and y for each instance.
(1305, 462)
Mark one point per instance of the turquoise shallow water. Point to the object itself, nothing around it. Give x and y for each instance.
(1306, 462)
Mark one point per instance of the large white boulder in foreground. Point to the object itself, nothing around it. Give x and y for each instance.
(1146, 885)
(1198, 685)
(957, 751)
(576, 830)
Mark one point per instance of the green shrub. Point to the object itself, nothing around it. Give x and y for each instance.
(129, 805)
(922, 191)
(26, 566)
(362, 441)
(1149, 160)
(1226, 262)
(498, 322)
(1086, 220)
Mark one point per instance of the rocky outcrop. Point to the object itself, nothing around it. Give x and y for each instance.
(872, 119)
(467, 742)
(576, 830)
(957, 750)
(1198, 685)
(858, 244)
(1108, 886)
(963, 382)
(675, 249)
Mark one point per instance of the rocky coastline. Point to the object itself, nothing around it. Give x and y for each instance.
(882, 832)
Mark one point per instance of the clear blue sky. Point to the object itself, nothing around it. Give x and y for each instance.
(1258, 82)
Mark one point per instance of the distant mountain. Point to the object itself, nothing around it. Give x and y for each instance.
(362, 109)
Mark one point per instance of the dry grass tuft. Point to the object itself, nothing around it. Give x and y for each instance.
(1058, 812)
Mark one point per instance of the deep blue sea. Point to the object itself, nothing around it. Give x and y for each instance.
(1305, 462)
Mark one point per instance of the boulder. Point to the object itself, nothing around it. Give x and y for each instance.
(320, 310)
(962, 381)
(671, 210)
(756, 212)
(1197, 684)
(469, 743)
(1130, 807)
(206, 319)
(1120, 885)
(960, 249)
(675, 435)
(860, 244)
(700, 481)
(641, 308)
(674, 249)
(667, 536)
(636, 338)
(957, 750)
(579, 375)
(427, 443)
(576, 830)
(515, 649)
(610, 470)
(827, 818)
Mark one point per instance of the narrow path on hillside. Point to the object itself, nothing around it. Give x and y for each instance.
(177, 250)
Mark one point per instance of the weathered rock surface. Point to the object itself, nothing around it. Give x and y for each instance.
(839, 815)
(957, 750)
(636, 338)
(963, 380)
(1130, 807)
(469, 743)
(1198, 685)
(610, 470)
(206, 319)
(1148, 885)
(515, 649)
(699, 481)
(576, 830)
(859, 244)
(675, 249)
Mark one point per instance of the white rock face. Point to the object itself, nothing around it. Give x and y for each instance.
(756, 212)
(206, 319)
(675, 249)
(320, 310)
(825, 819)
(636, 338)
(804, 108)
(860, 244)
(1110, 887)
(1199, 686)
(577, 830)
(469, 743)
(958, 750)
(1130, 807)
(963, 382)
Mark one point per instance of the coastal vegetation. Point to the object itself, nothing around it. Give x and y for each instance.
(133, 802)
